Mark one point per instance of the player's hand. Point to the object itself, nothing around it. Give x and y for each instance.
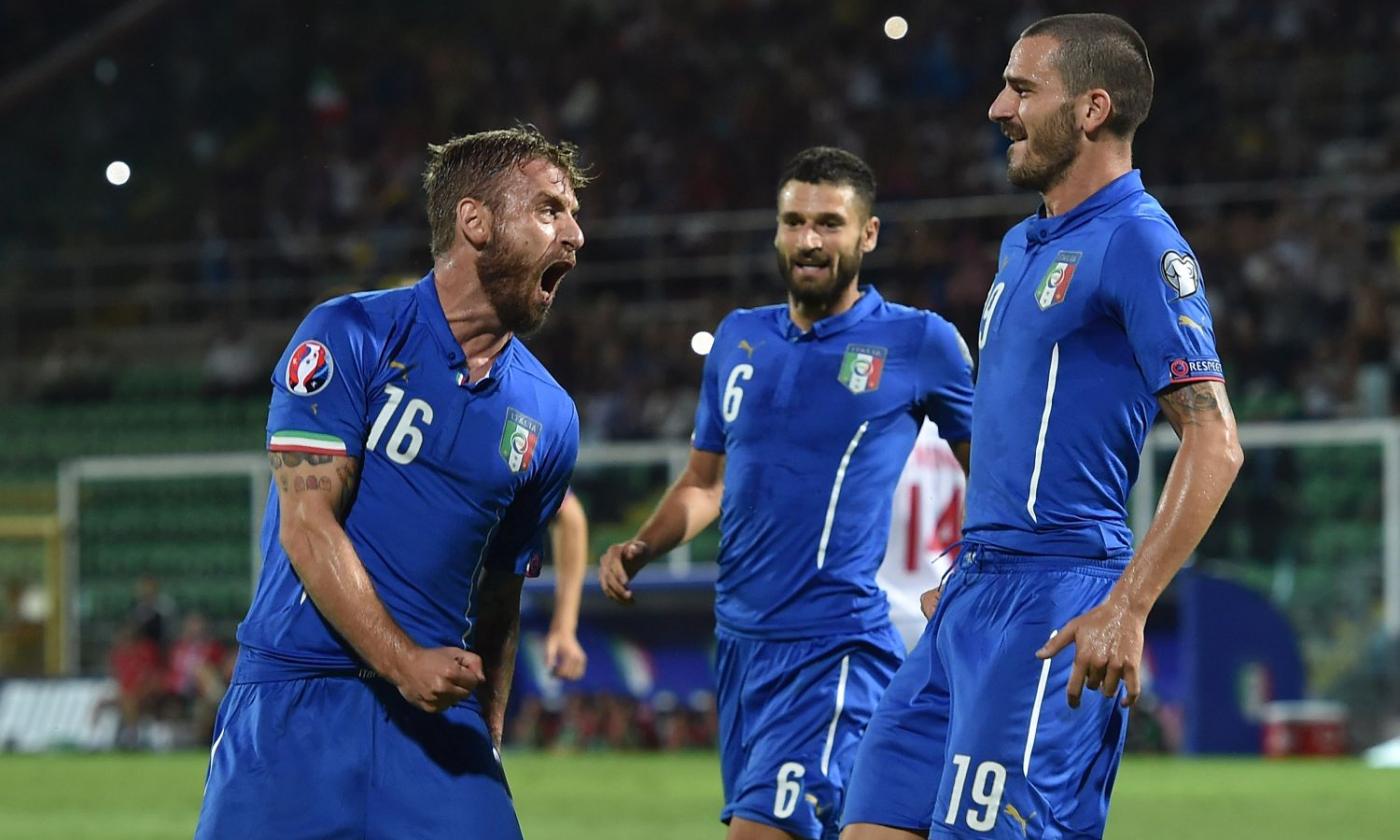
(564, 656)
(928, 602)
(434, 679)
(1107, 650)
(620, 563)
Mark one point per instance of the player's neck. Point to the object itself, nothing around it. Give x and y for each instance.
(471, 318)
(1090, 172)
(805, 316)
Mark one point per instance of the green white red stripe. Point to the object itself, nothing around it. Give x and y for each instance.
(298, 441)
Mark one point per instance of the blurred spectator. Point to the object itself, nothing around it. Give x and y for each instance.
(199, 672)
(151, 614)
(136, 666)
(21, 632)
(233, 366)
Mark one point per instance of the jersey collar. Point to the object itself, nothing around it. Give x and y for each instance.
(867, 303)
(1042, 229)
(430, 311)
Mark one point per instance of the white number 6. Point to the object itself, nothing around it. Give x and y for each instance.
(733, 394)
(789, 789)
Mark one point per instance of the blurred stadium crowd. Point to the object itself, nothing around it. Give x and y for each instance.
(296, 142)
(276, 152)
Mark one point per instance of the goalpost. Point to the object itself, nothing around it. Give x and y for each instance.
(603, 469)
(1382, 436)
(74, 474)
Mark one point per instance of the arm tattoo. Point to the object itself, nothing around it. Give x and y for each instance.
(1194, 402)
(296, 459)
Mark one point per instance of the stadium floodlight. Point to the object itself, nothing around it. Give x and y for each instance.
(118, 173)
(701, 343)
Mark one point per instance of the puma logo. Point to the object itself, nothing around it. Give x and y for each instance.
(747, 347)
(1010, 811)
(400, 366)
(1185, 321)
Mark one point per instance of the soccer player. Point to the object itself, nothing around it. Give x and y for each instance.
(807, 412)
(1096, 320)
(925, 522)
(563, 655)
(417, 459)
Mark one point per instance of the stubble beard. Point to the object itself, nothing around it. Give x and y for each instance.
(822, 297)
(509, 278)
(1049, 155)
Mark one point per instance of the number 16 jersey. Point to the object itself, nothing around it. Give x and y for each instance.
(455, 477)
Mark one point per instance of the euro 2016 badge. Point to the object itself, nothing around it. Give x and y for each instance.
(1055, 284)
(518, 440)
(310, 368)
(861, 368)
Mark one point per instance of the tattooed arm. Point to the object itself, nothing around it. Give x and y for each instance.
(497, 634)
(315, 493)
(1108, 646)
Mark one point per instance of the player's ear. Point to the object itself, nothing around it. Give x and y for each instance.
(474, 222)
(869, 234)
(1095, 109)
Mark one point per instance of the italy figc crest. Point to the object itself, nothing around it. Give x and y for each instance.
(861, 368)
(518, 440)
(1055, 284)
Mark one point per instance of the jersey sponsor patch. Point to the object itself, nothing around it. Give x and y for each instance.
(310, 369)
(1055, 284)
(519, 437)
(1180, 272)
(1186, 369)
(861, 368)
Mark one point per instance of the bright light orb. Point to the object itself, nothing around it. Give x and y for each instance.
(118, 173)
(701, 343)
(896, 27)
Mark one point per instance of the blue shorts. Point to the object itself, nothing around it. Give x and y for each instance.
(974, 737)
(790, 716)
(327, 757)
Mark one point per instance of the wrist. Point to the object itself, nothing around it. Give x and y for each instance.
(1136, 604)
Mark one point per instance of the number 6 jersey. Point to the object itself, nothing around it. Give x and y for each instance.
(815, 428)
(455, 477)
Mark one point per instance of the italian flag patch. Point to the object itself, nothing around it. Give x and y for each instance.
(315, 442)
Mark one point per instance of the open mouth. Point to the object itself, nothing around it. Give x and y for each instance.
(553, 275)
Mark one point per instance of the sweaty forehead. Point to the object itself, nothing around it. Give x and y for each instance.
(1033, 60)
(540, 176)
(812, 199)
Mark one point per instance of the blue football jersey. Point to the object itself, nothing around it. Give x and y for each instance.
(1091, 315)
(455, 477)
(815, 428)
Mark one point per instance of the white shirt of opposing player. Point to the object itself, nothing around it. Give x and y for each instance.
(925, 520)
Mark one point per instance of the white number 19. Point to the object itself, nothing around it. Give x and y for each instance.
(987, 789)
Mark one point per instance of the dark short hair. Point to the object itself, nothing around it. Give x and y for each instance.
(472, 165)
(828, 165)
(1102, 51)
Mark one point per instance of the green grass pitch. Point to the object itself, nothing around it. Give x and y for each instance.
(632, 796)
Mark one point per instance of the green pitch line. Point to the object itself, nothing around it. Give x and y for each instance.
(636, 796)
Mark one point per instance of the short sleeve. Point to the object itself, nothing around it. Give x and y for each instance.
(1155, 288)
(518, 542)
(319, 387)
(709, 422)
(945, 379)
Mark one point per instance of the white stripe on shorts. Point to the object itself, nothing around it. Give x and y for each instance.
(840, 704)
(1035, 713)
